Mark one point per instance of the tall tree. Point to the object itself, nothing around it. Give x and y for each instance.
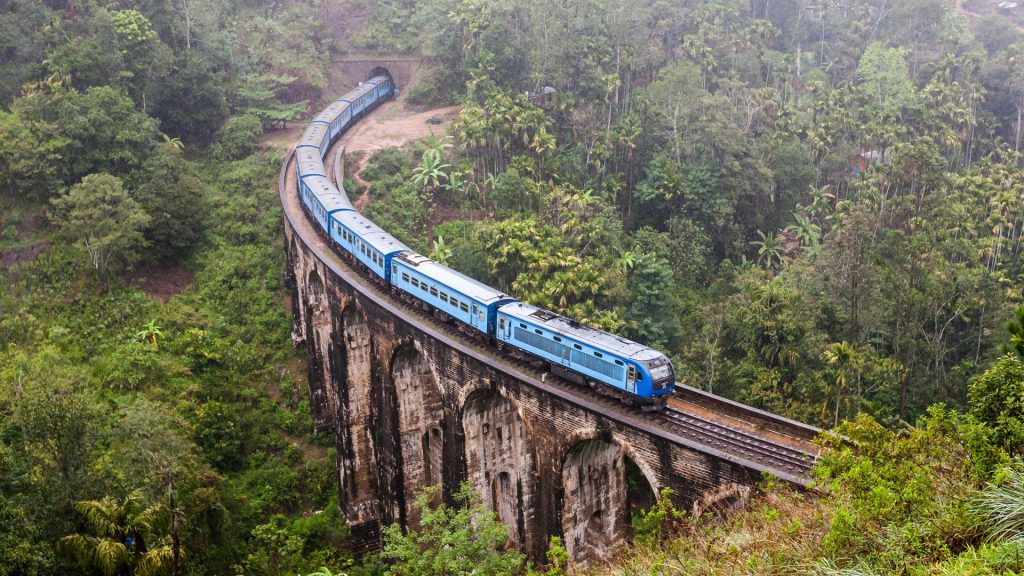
(100, 215)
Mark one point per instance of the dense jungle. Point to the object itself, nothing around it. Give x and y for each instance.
(814, 207)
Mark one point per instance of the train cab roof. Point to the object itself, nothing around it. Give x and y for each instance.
(373, 235)
(314, 135)
(327, 194)
(455, 280)
(596, 338)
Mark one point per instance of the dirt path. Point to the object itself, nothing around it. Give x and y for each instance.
(395, 124)
(357, 175)
(392, 124)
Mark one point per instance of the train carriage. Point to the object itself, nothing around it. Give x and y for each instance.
(323, 199)
(457, 295)
(582, 353)
(362, 97)
(384, 86)
(316, 136)
(336, 116)
(308, 163)
(366, 241)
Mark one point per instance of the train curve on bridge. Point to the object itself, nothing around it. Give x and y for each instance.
(698, 422)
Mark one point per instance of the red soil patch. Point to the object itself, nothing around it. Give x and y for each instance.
(10, 257)
(394, 124)
(162, 283)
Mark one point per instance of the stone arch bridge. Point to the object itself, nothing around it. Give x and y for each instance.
(414, 403)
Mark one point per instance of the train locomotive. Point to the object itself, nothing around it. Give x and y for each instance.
(630, 371)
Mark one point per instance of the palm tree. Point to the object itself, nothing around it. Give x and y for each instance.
(432, 169)
(174, 143)
(122, 530)
(769, 250)
(805, 231)
(150, 334)
(845, 362)
(442, 253)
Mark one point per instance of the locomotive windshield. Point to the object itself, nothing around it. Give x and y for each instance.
(661, 372)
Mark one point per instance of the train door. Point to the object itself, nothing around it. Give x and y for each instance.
(473, 317)
(504, 328)
(631, 378)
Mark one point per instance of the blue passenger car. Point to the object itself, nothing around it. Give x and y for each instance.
(323, 199)
(583, 353)
(362, 97)
(455, 294)
(317, 135)
(366, 241)
(336, 116)
(308, 163)
(384, 86)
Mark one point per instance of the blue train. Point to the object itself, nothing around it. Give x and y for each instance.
(633, 372)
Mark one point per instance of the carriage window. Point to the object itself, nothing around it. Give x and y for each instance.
(538, 331)
(577, 346)
(557, 339)
(455, 302)
(423, 286)
(405, 277)
(463, 306)
(415, 281)
(619, 362)
(521, 325)
(598, 354)
(444, 297)
(433, 290)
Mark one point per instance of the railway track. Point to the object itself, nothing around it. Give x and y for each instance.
(743, 445)
(739, 442)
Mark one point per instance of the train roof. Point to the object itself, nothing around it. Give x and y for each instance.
(309, 161)
(314, 135)
(593, 336)
(452, 279)
(327, 194)
(331, 112)
(374, 235)
(306, 154)
(358, 91)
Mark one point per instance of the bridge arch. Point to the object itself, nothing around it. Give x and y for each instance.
(501, 458)
(602, 481)
(421, 424)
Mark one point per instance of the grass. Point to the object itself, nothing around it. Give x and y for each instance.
(779, 534)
